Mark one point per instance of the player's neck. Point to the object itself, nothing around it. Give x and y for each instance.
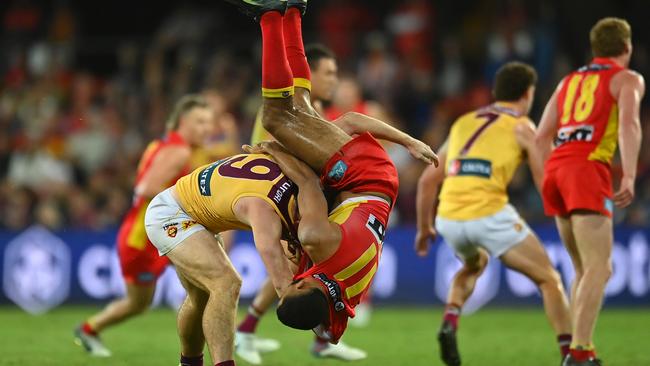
(517, 107)
(621, 61)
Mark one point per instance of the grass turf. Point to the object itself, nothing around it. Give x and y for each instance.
(396, 336)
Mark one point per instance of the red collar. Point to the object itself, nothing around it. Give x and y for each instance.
(605, 61)
(173, 137)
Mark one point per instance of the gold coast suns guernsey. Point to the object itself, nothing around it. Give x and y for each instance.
(587, 126)
(210, 192)
(482, 156)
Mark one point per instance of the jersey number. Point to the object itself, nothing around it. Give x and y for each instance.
(582, 107)
(247, 171)
(490, 118)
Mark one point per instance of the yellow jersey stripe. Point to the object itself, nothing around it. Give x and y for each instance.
(138, 236)
(357, 265)
(278, 93)
(358, 287)
(343, 212)
(607, 146)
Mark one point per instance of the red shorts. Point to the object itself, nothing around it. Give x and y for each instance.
(139, 266)
(577, 185)
(362, 165)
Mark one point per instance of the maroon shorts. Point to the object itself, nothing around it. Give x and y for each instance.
(362, 165)
(577, 185)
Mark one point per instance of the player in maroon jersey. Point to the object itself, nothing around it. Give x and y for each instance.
(591, 110)
(163, 162)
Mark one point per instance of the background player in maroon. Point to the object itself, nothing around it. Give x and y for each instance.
(163, 162)
(590, 110)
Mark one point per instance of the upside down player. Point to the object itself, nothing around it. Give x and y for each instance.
(591, 109)
(163, 162)
(248, 346)
(344, 250)
(482, 152)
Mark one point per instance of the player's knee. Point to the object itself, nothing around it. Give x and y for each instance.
(227, 283)
(599, 271)
(139, 305)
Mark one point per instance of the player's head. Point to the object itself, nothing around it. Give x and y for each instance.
(304, 305)
(348, 94)
(192, 118)
(324, 71)
(612, 37)
(515, 83)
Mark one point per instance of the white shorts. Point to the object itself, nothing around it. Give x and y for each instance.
(167, 224)
(496, 233)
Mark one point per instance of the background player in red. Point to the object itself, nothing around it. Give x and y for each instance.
(591, 109)
(163, 162)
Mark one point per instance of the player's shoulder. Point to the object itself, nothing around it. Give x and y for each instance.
(175, 152)
(631, 76)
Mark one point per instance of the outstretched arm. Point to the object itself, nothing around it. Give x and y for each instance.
(427, 195)
(355, 123)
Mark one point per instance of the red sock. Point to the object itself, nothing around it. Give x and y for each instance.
(88, 329)
(277, 79)
(250, 322)
(191, 360)
(564, 340)
(229, 362)
(292, 24)
(452, 312)
(581, 354)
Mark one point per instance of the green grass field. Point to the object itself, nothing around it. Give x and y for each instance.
(396, 336)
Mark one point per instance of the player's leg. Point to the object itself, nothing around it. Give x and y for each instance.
(463, 283)
(201, 260)
(294, 46)
(313, 139)
(530, 259)
(137, 299)
(189, 322)
(566, 234)
(594, 236)
(247, 345)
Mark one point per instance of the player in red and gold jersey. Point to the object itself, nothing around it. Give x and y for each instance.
(591, 110)
(344, 248)
(163, 162)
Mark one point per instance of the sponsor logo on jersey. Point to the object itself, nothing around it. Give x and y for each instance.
(574, 133)
(470, 167)
(338, 171)
(36, 270)
(204, 179)
(333, 289)
(187, 224)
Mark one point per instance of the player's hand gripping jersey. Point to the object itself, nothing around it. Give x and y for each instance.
(483, 155)
(577, 176)
(209, 193)
(138, 257)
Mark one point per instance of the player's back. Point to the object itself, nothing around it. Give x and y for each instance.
(587, 125)
(209, 193)
(482, 156)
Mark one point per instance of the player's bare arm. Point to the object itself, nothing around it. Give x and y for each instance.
(267, 232)
(356, 123)
(427, 195)
(318, 236)
(525, 134)
(167, 164)
(547, 126)
(628, 88)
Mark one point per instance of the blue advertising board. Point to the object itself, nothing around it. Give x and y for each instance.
(41, 270)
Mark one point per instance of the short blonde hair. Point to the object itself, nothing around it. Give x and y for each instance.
(609, 37)
(184, 105)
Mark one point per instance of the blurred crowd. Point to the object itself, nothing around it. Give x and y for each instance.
(77, 110)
